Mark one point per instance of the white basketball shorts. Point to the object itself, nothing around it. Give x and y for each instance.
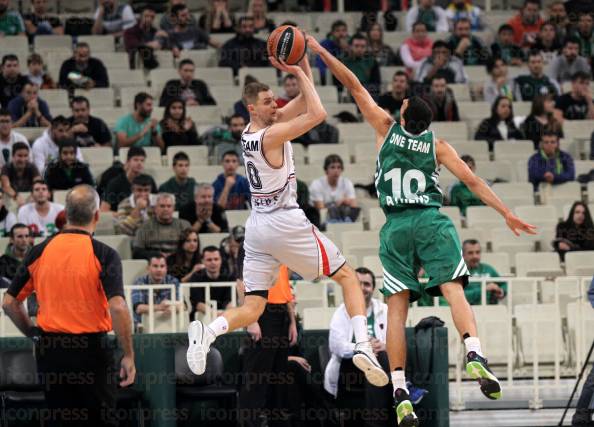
(285, 237)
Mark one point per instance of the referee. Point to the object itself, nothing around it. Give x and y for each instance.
(79, 288)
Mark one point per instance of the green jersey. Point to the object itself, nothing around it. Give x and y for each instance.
(407, 173)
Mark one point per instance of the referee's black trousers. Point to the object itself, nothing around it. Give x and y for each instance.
(79, 378)
(265, 368)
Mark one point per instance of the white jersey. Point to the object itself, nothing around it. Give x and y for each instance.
(271, 188)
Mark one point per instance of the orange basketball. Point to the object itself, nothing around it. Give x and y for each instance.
(288, 44)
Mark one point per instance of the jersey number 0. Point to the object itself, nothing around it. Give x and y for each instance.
(253, 176)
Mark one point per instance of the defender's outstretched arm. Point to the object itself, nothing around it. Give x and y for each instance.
(377, 117)
(448, 157)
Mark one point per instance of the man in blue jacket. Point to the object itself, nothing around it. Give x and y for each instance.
(550, 164)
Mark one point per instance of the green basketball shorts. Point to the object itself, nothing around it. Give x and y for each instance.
(415, 238)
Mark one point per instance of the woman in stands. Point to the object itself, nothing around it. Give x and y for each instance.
(417, 48)
(185, 261)
(500, 84)
(500, 126)
(257, 9)
(178, 129)
(541, 120)
(383, 54)
(217, 19)
(576, 233)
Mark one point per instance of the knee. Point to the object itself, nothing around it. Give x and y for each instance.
(255, 309)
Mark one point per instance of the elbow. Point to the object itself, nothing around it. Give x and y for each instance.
(320, 116)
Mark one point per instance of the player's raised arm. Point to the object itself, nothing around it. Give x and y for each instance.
(314, 114)
(296, 106)
(448, 157)
(377, 117)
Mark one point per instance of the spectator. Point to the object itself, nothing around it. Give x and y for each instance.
(39, 22)
(334, 192)
(185, 261)
(244, 50)
(414, 50)
(162, 300)
(380, 51)
(564, 66)
(558, 17)
(203, 213)
(585, 35)
(185, 35)
(217, 18)
(363, 65)
(143, 39)
(291, 91)
(11, 22)
(28, 109)
(168, 20)
(500, 126)
(180, 185)
(11, 80)
(442, 61)
(460, 195)
(500, 84)
(324, 133)
(441, 100)
(66, 171)
(471, 252)
(18, 175)
(137, 129)
(550, 164)
(160, 233)
(527, 86)
(120, 187)
(576, 7)
(541, 119)
(192, 91)
(45, 148)
(136, 209)
(547, 43)
(16, 251)
(576, 233)
(526, 23)
(464, 9)
(222, 139)
(113, 18)
(87, 130)
(470, 49)
(230, 247)
(392, 101)
(40, 215)
(231, 190)
(341, 346)
(258, 10)
(336, 43)
(213, 261)
(505, 48)
(8, 137)
(37, 73)
(83, 70)
(577, 103)
(7, 218)
(434, 17)
(178, 129)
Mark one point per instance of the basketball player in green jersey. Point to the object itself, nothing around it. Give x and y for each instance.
(416, 233)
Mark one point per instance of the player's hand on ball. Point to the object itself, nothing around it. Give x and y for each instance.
(313, 44)
(283, 66)
(516, 225)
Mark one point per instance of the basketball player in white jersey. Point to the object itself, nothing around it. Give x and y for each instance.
(277, 231)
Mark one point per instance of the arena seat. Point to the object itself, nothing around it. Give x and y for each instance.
(113, 60)
(360, 239)
(579, 263)
(52, 42)
(211, 239)
(578, 129)
(501, 170)
(153, 156)
(30, 133)
(517, 193)
(120, 243)
(298, 153)
(59, 196)
(159, 76)
(317, 318)
(55, 98)
(160, 174)
(450, 130)
(308, 290)
(374, 264)
(205, 114)
(498, 260)
(581, 334)
(387, 73)
(98, 97)
(99, 43)
(395, 39)
(521, 168)
(164, 57)
(495, 332)
(15, 44)
(78, 7)
(119, 78)
(560, 194)
(105, 226)
(376, 218)
(217, 76)
(266, 75)
(207, 173)
(475, 149)
(133, 268)
(538, 264)
(504, 240)
(237, 217)
(361, 131)
(323, 21)
(201, 58)
(483, 216)
(514, 150)
(473, 110)
(416, 314)
(198, 154)
(547, 334)
(317, 153)
(98, 156)
(361, 173)
(461, 93)
(540, 214)
(303, 20)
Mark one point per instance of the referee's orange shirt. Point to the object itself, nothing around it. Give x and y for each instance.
(73, 276)
(281, 293)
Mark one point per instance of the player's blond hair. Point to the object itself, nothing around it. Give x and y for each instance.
(251, 91)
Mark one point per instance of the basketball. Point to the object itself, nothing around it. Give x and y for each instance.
(287, 43)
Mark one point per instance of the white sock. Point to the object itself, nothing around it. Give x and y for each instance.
(399, 380)
(473, 344)
(219, 326)
(360, 328)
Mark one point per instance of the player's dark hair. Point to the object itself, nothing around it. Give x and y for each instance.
(417, 116)
(180, 155)
(365, 270)
(331, 159)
